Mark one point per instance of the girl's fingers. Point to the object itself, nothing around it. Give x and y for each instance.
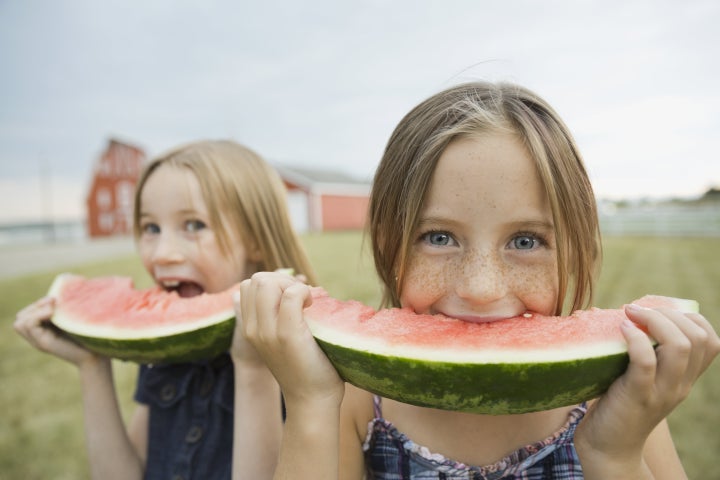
(693, 338)
(640, 375)
(262, 300)
(29, 321)
(246, 314)
(33, 325)
(711, 339)
(683, 349)
(290, 319)
(40, 310)
(43, 336)
(242, 314)
(267, 292)
(239, 326)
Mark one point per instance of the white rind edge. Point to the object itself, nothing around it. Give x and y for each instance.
(62, 321)
(57, 282)
(453, 355)
(685, 305)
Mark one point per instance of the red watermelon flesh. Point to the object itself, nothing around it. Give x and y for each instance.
(109, 316)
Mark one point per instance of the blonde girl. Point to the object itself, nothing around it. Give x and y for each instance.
(481, 210)
(207, 215)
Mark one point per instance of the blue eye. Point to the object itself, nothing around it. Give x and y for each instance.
(150, 228)
(194, 225)
(440, 239)
(524, 242)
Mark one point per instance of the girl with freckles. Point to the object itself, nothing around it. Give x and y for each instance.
(481, 210)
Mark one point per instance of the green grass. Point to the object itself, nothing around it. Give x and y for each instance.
(41, 433)
(685, 268)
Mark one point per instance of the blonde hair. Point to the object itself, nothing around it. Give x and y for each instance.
(242, 192)
(412, 153)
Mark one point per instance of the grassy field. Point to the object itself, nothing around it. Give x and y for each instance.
(41, 433)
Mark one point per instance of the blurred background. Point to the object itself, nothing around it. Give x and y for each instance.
(319, 86)
(92, 90)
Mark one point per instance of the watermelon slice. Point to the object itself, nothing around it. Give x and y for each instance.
(109, 316)
(523, 364)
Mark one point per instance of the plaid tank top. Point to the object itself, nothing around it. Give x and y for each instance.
(390, 455)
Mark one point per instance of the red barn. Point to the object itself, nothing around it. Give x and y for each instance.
(110, 199)
(323, 200)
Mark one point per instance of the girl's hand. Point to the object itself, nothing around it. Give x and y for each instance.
(656, 381)
(271, 318)
(241, 350)
(33, 323)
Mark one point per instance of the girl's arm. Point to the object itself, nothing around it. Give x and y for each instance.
(110, 451)
(311, 440)
(661, 456)
(271, 313)
(624, 434)
(257, 412)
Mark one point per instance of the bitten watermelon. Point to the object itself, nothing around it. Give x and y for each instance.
(518, 365)
(109, 316)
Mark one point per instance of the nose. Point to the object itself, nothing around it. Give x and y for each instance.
(482, 278)
(167, 249)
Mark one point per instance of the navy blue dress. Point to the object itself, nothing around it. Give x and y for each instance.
(191, 419)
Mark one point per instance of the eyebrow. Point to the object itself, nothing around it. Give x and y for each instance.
(534, 224)
(516, 224)
(186, 211)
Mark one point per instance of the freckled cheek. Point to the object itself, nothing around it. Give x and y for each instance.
(426, 281)
(536, 286)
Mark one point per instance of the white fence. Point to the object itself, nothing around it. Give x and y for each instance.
(38, 233)
(695, 221)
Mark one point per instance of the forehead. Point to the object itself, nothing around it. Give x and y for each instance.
(485, 174)
(172, 186)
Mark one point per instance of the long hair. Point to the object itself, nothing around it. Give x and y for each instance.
(414, 148)
(243, 194)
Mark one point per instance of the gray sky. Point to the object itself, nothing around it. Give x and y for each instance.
(323, 83)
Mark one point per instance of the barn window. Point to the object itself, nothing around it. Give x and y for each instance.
(103, 199)
(124, 194)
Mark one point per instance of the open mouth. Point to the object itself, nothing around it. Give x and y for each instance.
(183, 288)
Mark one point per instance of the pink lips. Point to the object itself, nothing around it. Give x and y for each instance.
(480, 319)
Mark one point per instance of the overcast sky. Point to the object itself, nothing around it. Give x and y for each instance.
(323, 83)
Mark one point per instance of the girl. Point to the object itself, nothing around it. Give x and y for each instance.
(207, 216)
(481, 210)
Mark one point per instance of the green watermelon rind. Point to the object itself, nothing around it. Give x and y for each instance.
(203, 339)
(192, 345)
(487, 388)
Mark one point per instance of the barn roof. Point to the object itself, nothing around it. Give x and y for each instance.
(322, 180)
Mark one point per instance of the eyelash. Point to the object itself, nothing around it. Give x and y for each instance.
(191, 226)
(425, 237)
(540, 239)
(145, 228)
(194, 225)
